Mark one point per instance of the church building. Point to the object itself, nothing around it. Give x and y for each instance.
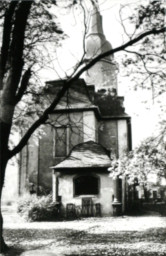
(85, 131)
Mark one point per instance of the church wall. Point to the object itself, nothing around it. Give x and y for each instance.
(108, 135)
(29, 166)
(89, 126)
(123, 148)
(47, 156)
(66, 191)
(106, 195)
(23, 171)
(122, 137)
(33, 150)
(106, 79)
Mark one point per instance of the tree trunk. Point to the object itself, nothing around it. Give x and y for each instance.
(3, 246)
(4, 157)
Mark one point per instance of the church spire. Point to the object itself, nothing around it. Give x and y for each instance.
(96, 26)
(104, 73)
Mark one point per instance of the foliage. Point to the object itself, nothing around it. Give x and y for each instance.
(42, 36)
(138, 164)
(109, 103)
(35, 208)
(145, 64)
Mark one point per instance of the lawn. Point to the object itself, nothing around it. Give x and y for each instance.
(144, 236)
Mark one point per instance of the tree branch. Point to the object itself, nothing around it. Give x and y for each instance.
(68, 83)
(120, 48)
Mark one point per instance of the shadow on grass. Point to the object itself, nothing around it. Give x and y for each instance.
(13, 251)
(84, 243)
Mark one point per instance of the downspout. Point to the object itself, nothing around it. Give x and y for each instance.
(129, 135)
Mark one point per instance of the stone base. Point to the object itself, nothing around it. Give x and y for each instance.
(117, 208)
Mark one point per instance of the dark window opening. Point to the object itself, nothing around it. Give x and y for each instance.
(60, 141)
(86, 185)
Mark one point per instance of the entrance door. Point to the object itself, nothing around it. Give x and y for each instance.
(87, 207)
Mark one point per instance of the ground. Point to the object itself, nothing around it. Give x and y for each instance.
(145, 236)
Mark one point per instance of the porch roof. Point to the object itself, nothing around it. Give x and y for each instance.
(85, 155)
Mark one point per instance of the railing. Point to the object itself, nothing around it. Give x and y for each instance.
(84, 210)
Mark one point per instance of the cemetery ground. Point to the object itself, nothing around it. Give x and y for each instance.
(125, 235)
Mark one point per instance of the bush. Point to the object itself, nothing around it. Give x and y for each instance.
(34, 208)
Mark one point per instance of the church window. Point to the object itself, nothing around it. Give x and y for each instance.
(65, 138)
(61, 141)
(75, 136)
(86, 185)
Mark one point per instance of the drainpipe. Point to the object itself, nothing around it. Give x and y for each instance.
(129, 134)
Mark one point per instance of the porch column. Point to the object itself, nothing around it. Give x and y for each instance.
(116, 191)
(54, 186)
(117, 206)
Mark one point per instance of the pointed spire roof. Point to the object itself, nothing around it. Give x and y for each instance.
(96, 42)
(96, 24)
(104, 73)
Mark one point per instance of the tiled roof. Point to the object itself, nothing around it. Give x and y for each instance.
(86, 155)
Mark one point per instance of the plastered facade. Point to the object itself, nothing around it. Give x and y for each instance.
(66, 191)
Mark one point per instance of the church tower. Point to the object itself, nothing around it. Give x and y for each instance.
(104, 73)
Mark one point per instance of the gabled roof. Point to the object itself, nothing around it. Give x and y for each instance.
(81, 96)
(76, 97)
(86, 155)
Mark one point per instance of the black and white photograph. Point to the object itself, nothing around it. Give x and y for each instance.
(83, 127)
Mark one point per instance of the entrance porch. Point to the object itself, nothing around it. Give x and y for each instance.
(82, 184)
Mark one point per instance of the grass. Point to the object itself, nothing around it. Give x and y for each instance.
(134, 236)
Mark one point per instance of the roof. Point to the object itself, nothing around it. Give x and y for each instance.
(81, 96)
(76, 97)
(96, 42)
(86, 155)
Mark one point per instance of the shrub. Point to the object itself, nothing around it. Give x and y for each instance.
(34, 208)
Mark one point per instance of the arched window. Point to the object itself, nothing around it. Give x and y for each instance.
(86, 185)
